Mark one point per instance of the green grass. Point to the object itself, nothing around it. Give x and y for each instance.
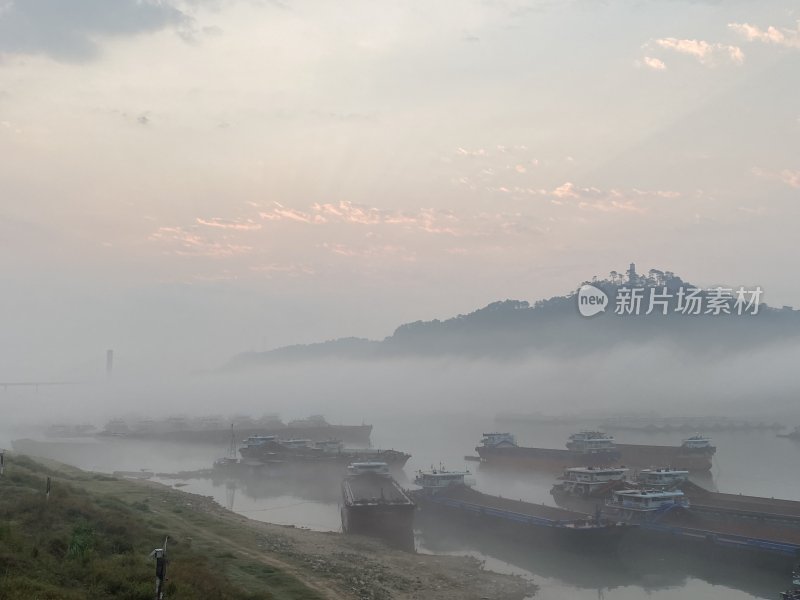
(86, 543)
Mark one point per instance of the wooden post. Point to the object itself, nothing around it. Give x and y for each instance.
(160, 554)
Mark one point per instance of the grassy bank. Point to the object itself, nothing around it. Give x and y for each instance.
(86, 542)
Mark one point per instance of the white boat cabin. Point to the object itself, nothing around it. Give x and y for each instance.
(594, 474)
(697, 442)
(330, 446)
(257, 440)
(436, 480)
(647, 500)
(588, 481)
(498, 440)
(591, 441)
(661, 477)
(295, 444)
(368, 468)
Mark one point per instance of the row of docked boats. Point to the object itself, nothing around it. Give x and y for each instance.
(593, 502)
(588, 484)
(373, 503)
(443, 491)
(214, 429)
(270, 451)
(629, 504)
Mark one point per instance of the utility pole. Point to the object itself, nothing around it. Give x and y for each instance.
(160, 555)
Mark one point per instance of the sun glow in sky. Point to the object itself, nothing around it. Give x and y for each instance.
(186, 180)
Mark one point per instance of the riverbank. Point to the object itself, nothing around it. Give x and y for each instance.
(94, 533)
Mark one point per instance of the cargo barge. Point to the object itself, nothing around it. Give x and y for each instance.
(447, 493)
(595, 449)
(581, 488)
(694, 454)
(670, 514)
(585, 448)
(269, 449)
(374, 504)
(784, 513)
(215, 430)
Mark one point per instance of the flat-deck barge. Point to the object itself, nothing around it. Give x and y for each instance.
(669, 515)
(217, 431)
(375, 504)
(595, 449)
(767, 511)
(446, 492)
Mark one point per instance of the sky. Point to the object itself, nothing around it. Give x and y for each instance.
(185, 180)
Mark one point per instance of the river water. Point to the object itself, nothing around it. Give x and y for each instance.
(756, 463)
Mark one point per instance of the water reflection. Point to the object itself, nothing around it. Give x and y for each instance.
(629, 572)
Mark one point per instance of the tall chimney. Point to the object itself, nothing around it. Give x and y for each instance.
(109, 361)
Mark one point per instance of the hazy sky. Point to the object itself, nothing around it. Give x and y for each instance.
(182, 181)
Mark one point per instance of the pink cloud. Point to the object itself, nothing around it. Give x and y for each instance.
(429, 220)
(247, 225)
(610, 200)
(789, 38)
(370, 251)
(707, 53)
(785, 176)
(180, 242)
(652, 63)
(293, 270)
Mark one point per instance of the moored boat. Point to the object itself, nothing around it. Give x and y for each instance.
(374, 504)
(661, 478)
(268, 448)
(645, 505)
(590, 482)
(448, 493)
(215, 429)
(590, 448)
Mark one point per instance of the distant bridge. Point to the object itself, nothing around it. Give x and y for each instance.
(35, 384)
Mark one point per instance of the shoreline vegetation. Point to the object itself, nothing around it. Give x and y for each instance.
(92, 537)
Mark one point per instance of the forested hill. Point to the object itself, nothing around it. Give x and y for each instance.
(697, 320)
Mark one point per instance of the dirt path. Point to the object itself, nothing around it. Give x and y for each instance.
(335, 566)
(309, 579)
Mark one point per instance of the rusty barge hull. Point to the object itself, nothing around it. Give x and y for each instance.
(727, 507)
(377, 506)
(546, 459)
(749, 536)
(645, 456)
